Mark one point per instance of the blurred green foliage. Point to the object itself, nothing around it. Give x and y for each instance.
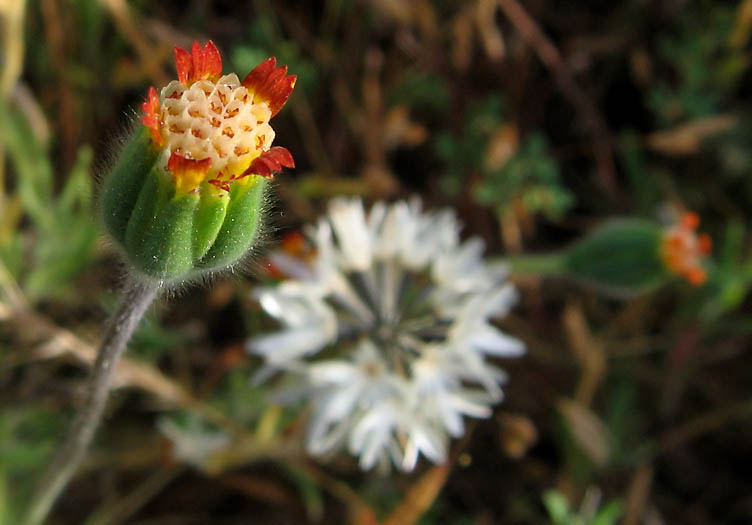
(706, 67)
(262, 41)
(560, 513)
(64, 221)
(423, 92)
(529, 176)
(28, 436)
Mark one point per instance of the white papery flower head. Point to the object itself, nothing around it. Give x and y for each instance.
(403, 309)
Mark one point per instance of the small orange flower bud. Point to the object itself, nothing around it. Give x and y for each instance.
(683, 250)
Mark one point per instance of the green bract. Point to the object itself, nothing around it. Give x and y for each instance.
(168, 236)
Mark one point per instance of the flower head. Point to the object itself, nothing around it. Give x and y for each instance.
(403, 311)
(214, 128)
(187, 193)
(683, 250)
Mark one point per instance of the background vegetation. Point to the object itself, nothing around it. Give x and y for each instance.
(536, 122)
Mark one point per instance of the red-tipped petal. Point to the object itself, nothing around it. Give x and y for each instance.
(283, 155)
(705, 243)
(281, 92)
(270, 84)
(270, 162)
(212, 61)
(187, 173)
(198, 64)
(696, 276)
(184, 64)
(197, 54)
(259, 73)
(275, 76)
(151, 116)
(690, 220)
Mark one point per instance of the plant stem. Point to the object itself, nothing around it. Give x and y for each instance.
(540, 264)
(136, 300)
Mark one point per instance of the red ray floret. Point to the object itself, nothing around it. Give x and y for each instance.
(151, 116)
(270, 162)
(270, 84)
(696, 276)
(199, 64)
(187, 173)
(684, 249)
(705, 243)
(690, 220)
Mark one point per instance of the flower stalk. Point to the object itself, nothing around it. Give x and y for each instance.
(537, 264)
(136, 301)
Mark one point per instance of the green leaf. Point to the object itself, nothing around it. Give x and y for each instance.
(609, 514)
(557, 507)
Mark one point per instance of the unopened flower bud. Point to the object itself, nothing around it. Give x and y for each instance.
(630, 256)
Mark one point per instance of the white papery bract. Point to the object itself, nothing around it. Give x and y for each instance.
(402, 311)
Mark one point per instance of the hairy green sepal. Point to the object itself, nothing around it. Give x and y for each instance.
(172, 237)
(240, 227)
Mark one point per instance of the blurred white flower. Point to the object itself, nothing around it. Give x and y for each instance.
(404, 311)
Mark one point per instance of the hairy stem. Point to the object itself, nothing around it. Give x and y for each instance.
(135, 302)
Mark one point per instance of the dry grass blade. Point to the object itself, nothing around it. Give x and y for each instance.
(587, 430)
(124, 20)
(588, 352)
(257, 488)
(701, 425)
(743, 27)
(12, 15)
(687, 138)
(419, 497)
(60, 342)
(490, 34)
(637, 497)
